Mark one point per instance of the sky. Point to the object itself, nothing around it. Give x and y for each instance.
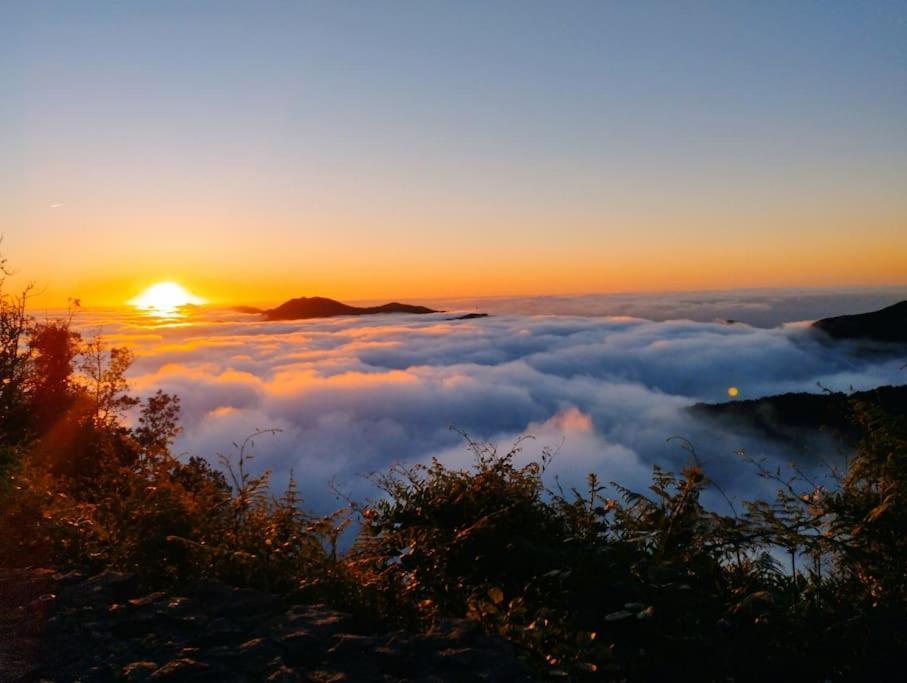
(260, 150)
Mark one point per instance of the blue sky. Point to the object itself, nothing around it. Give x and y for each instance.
(570, 132)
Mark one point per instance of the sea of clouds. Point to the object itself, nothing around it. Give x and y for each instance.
(757, 307)
(354, 395)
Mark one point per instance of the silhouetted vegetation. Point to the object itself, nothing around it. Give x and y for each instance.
(596, 583)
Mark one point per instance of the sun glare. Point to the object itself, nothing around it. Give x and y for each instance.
(165, 299)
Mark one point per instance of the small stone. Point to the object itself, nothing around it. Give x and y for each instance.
(117, 584)
(252, 644)
(139, 671)
(347, 644)
(183, 669)
(179, 603)
(284, 675)
(258, 651)
(69, 578)
(328, 677)
(620, 616)
(149, 599)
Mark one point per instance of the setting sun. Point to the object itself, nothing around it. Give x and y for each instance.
(165, 299)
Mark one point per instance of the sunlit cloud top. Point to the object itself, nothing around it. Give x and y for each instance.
(356, 394)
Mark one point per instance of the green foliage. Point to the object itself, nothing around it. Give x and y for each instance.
(158, 423)
(443, 538)
(868, 513)
(642, 585)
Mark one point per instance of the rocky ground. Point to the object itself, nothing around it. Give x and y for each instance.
(57, 626)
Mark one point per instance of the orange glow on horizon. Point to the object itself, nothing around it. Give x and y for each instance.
(516, 258)
(165, 299)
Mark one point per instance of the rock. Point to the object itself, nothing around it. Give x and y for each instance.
(302, 648)
(256, 653)
(331, 677)
(102, 628)
(111, 584)
(349, 645)
(284, 675)
(139, 671)
(63, 579)
(620, 616)
(318, 618)
(149, 599)
(181, 604)
(184, 669)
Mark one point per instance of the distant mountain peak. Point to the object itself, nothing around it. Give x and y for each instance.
(887, 325)
(309, 307)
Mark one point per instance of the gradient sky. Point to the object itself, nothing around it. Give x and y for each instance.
(258, 150)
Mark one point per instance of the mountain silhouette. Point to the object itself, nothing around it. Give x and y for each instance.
(790, 417)
(887, 325)
(320, 307)
(247, 309)
(470, 316)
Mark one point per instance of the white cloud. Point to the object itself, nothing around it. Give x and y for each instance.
(354, 395)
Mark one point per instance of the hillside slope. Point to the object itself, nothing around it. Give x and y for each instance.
(787, 417)
(887, 325)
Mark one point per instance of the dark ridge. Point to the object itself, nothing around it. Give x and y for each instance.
(887, 325)
(247, 309)
(321, 307)
(469, 316)
(788, 417)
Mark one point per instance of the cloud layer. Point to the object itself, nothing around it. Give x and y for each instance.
(354, 395)
(760, 307)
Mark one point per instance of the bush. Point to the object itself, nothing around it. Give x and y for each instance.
(643, 586)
